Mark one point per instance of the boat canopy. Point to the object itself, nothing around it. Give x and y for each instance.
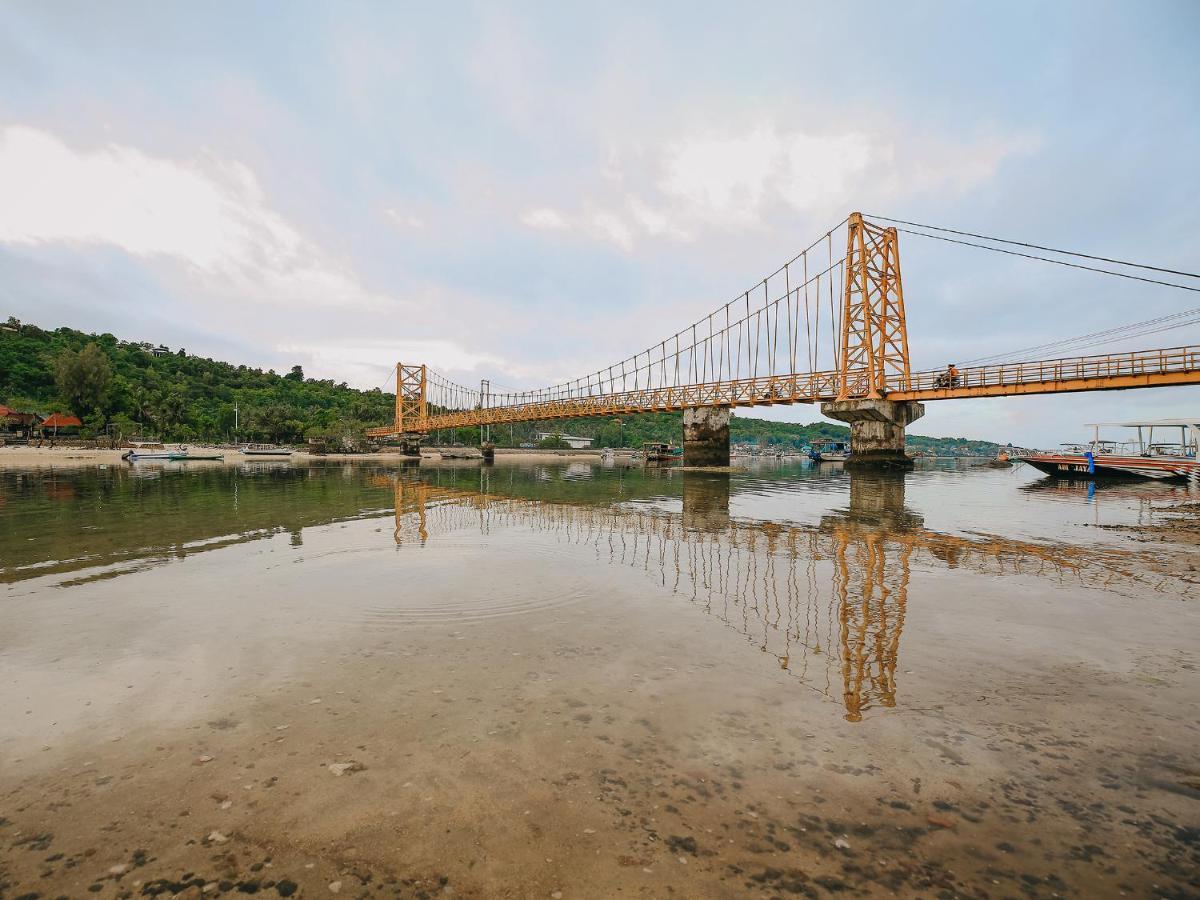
(1145, 444)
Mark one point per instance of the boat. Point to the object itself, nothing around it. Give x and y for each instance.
(658, 452)
(1140, 457)
(143, 455)
(179, 455)
(829, 451)
(266, 450)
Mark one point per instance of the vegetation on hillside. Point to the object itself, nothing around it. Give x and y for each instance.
(129, 389)
(123, 388)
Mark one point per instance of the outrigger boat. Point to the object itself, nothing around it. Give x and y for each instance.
(141, 455)
(1143, 457)
(266, 450)
(829, 451)
(179, 455)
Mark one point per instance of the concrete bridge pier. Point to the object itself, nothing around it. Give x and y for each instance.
(706, 436)
(876, 430)
(410, 446)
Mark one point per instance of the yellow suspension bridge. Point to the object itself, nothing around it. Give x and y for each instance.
(823, 328)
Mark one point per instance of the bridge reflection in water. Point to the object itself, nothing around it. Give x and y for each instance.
(828, 602)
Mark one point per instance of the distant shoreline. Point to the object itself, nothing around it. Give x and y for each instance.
(65, 456)
(20, 456)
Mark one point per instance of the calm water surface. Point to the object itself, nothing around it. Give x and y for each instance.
(583, 681)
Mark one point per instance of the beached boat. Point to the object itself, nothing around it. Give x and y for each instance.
(266, 450)
(829, 451)
(180, 454)
(143, 455)
(1140, 457)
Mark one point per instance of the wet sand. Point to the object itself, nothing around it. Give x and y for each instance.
(360, 714)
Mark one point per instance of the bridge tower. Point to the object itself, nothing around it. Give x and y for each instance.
(411, 407)
(874, 349)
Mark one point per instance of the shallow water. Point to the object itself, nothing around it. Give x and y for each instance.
(533, 680)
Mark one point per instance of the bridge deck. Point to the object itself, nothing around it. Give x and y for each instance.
(1148, 368)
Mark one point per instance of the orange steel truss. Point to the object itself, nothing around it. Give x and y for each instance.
(411, 408)
(871, 360)
(874, 333)
(1148, 368)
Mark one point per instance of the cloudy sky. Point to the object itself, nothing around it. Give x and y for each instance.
(534, 192)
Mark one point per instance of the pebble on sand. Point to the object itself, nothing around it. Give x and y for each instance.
(345, 768)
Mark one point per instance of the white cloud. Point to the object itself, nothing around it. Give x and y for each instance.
(612, 227)
(368, 363)
(117, 195)
(404, 220)
(210, 215)
(544, 219)
(711, 182)
(222, 259)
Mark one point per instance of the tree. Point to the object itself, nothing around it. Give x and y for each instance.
(553, 442)
(171, 409)
(82, 378)
(297, 374)
(609, 435)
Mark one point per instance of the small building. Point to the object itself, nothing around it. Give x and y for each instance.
(160, 350)
(60, 423)
(575, 443)
(17, 424)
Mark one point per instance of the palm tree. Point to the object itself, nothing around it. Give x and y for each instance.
(170, 408)
(143, 404)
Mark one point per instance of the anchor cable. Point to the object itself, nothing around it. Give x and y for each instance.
(1058, 262)
(1118, 262)
(1108, 335)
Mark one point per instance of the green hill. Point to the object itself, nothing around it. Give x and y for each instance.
(125, 385)
(130, 388)
(632, 431)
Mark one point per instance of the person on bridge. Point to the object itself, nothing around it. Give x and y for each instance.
(949, 378)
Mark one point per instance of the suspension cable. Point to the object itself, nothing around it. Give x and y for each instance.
(1118, 262)
(1108, 335)
(1057, 262)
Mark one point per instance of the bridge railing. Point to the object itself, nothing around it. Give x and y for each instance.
(1052, 371)
(764, 390)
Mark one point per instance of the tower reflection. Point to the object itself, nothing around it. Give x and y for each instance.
(705, 501)
(828, 602)
(872, 570)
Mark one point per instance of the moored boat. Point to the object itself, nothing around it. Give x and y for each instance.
(658, 452)
(829, 451)
(1140, 457)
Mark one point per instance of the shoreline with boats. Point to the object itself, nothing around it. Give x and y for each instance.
(1175, 456)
